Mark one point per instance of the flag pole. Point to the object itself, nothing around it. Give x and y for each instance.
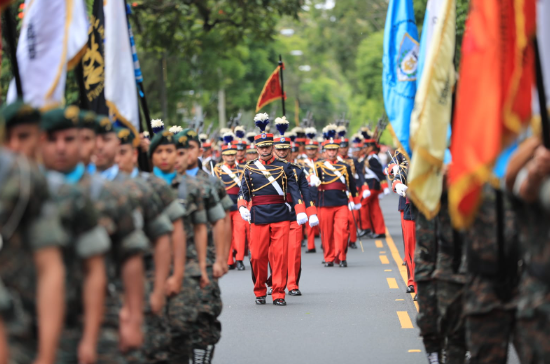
(542, 97)
(282, 83)
(10, 37)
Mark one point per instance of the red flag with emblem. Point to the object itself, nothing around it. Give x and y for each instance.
(272, 89)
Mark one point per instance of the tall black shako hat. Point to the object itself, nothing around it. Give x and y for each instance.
(281, 142)
(263, 139)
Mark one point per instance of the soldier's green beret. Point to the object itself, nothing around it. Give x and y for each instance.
(191, 135)
(87, 119)
(18, 113)
(104, 125)
(162, 138)
(182, 140)
(125, 135)
(60, 119)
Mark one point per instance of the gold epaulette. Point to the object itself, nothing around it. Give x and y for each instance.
(281, 160)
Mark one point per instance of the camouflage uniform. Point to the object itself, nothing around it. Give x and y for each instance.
(87, 239)
(491, 284)
(450, 281)
(183, 308)
(425, 258)
(121, 220)
(533, 310)
(208, 329)
(29, 222)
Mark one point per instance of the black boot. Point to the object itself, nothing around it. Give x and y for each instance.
(343, 264)
(240, 265)
(329, 264)
(260, 300)
(231, 266)
(353, 245)
(279, 302)
(311, 251)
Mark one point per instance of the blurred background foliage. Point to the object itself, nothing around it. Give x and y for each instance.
(192, 52)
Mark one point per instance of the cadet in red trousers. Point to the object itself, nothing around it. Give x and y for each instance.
(337, 194)
(375, 188)
(311, 148)
(282, 150)
(266, 182)
(231, 174)
(240, 145)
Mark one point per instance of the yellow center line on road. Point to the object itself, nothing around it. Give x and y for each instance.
(404, 319)
(387, 270)
(382, 252)
(415, 351)
(392, 283)
(379, 243)
(384, 259)
(399, 299)
(398, 260)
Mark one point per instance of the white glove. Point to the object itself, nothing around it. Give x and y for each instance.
(395, 170)
(386, 191)
(245, 214)
(314, 181)
(401, 189)
(366, 193)
(351, 206)
(357, 206)
(381, 196)
(301, 218)
(313, 221)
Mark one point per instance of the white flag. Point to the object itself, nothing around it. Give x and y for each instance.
(120, 81)
(53, 33)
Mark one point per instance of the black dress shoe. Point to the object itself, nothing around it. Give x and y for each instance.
(404, 264)
(295, 292)
(232, 266)
(343, 264)
(410, 289)
(415, 298)
(303, 244)
(353, 245)
(329, 264)
(260, 300)
(240, 265)
(279, 302)
(377, 236)
(270, 291)
(323, 262)
(364, 232)
(311, 251)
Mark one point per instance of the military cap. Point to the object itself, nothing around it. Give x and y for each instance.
(312, 144)
(295, 147)
(281, 142)
(104, 125)
(181, 140)
(330, 133)
(162, 138)
(125, 135)
(87, 119)
(60, 119)
(251, 148)
(229, 147)
(191, 135)
(18, 113)
(263, 139)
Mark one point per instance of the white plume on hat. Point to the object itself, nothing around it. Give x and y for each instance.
(261, 116)
(155, 123)
(175, 129)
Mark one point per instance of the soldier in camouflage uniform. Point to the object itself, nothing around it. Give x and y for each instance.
(89, 242)
(425, 258)
(121, 329)
(532, 186)
(31, 263)
(217, 203)
(450, 278)
(183, 307)
(491, 279)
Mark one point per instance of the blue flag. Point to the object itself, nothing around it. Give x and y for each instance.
(400, 68)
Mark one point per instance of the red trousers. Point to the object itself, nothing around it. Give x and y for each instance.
(294, 255)
(352, 227)
(311, 233)
(269, 245)
(334, 231)
(373, 218)
(364, 216)
(238, 236)
(409, 238)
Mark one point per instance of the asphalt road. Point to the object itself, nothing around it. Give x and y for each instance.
(358, 314)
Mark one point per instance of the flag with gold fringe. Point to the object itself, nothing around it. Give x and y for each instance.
(432, 112)
(494, 96)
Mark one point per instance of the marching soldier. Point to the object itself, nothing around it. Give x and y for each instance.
(337, 194)
(121, 330)
(217, 203)
(375, 183)
(31, 263)
(230, 174)
(266, 182)
(240, 145)
(251, 151)
(282, 151)
(89, 242)
(311, 148)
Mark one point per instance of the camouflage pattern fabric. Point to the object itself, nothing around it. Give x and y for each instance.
(168, 197)
(427, 318)
(425, 253)
(107, 347)
(451, 323)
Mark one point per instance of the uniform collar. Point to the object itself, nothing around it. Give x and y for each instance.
(373, 153)
(193, 171)
(230, 167)
(333, 162)
(110, 173)
(75, 175)
(134, 173)
(242, 161)
(268, 162)
(168, 177)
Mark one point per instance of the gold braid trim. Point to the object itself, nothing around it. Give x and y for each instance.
(330, 173)
(220, 172)
(276, 172)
